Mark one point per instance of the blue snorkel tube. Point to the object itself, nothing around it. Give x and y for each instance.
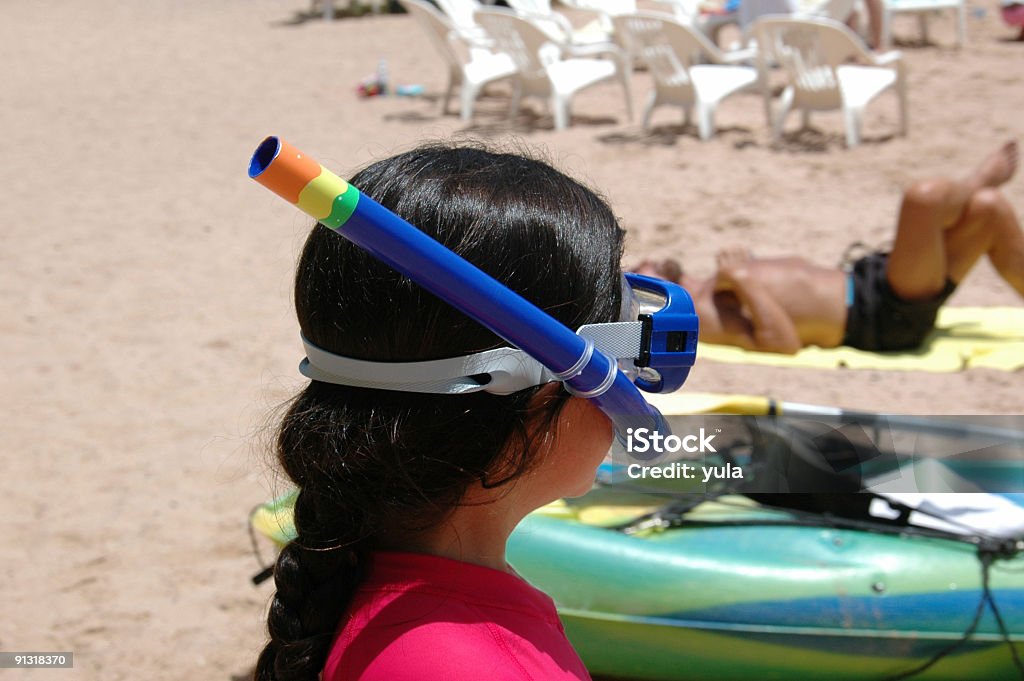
(585, 371)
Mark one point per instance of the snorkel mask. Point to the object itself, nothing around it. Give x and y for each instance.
(652, 347)
(654, 344)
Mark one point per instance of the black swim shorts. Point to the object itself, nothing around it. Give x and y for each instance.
(878, 319)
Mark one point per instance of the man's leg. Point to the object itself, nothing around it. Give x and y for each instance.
(874, 11)
(990, 227)
(945, 225)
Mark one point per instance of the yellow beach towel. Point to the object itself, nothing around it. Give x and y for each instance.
(964, 337)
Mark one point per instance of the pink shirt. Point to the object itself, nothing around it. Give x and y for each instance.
(426, 618)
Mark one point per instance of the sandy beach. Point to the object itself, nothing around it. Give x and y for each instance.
(146, 326)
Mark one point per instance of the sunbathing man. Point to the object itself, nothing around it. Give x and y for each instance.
(887, 301)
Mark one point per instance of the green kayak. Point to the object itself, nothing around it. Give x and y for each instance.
(733, 589)
(736, 590)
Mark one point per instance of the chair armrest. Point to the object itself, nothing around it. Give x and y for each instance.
(471, 36)
(671, 9)
(591, 50)
(559, 20)
(739, 56)
(887, 58)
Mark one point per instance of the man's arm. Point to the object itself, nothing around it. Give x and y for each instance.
(773, 329)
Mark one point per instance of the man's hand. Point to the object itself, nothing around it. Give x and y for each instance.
(732, 267)
(772, 329)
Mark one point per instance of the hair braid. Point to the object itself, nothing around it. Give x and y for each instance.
(314, 586)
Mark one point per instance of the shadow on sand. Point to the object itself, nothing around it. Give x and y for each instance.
(669, 135)
(351, 10)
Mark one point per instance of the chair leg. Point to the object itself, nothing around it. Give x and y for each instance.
(785, 103)
(853, 119)
(469, 94)
(886, 37)
(560, 109)
(922, 21)
(705, 120)
(766, 92)
(517, 99)
(652, 102)
(805, 119)
(448, 94)
(624, 79)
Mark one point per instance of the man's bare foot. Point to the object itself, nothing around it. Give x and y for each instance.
(997, 169)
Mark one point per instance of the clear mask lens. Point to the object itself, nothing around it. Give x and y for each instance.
(647, 302)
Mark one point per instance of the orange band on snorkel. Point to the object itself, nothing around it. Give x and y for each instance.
(290, 172)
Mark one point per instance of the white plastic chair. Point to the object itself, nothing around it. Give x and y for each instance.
(604, 11)
(815, 54)
(471, 68)
(670, 50)
(558, 27)
(923, 9)
(542, 71)
(460, 13)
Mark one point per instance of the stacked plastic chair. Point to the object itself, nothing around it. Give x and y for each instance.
(543, 69)
(816, 55)
(671, 51)
(469, 67)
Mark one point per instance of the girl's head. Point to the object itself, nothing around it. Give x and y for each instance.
(376, 466)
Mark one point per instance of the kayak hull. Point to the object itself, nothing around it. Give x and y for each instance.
(732, 600)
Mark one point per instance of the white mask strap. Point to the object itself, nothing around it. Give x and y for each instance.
(501, 371)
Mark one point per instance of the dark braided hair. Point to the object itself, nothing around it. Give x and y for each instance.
(374, 464)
